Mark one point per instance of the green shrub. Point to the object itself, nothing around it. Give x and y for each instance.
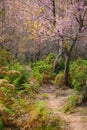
(78, 73)
(61, 64)
(1, 124)
(36, 74)
(53, 122)
(15, 74)
(43, 68)
(41, 109)
(18, 80)
(50, 58)
(6, 102)
(35, 87)
(59, 79)
(74, 100)
(69, 108)
(5, 58)
(47, 120)
(46, 68)
(45, 95)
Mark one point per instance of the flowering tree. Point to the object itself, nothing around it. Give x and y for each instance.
(46, 20)
(63, 20)
(73, 26)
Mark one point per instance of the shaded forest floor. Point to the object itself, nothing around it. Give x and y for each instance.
(56, 100)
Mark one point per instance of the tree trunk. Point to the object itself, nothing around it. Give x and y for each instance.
(66, 71)
(54, 12)
(68, 58)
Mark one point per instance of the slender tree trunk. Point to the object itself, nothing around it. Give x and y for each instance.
(67, 66)
(55, 64)
(54, 12)
(66, 71)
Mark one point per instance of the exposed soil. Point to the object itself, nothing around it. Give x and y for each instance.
(56, 99)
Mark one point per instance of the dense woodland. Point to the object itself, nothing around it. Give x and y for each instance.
(43, 64)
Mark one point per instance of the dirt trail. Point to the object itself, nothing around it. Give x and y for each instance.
(56, 103)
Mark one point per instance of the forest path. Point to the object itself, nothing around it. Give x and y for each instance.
(74, 121)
